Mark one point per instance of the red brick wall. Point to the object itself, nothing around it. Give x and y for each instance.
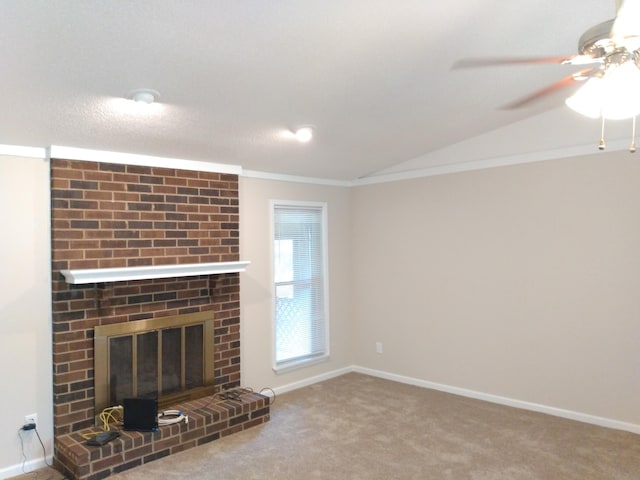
(111, 215)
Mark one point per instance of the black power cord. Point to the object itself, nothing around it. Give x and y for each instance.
(26, 428)
(44, 451)
(234, 394)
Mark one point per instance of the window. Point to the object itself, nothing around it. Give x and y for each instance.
(299, 270)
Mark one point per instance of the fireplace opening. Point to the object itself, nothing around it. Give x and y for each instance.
(170, 359)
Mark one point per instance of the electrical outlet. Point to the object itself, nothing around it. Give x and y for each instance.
(378, 347)
(31, 419)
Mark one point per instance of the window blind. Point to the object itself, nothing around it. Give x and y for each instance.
(300, 326)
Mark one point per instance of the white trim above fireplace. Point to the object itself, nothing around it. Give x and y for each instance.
(72, 153)
(101, 275)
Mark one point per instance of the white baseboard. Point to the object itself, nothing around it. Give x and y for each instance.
(311, 380)
(511, 402)
(557, 412)
(29, 466)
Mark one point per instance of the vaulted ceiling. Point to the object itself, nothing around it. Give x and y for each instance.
(235, 77)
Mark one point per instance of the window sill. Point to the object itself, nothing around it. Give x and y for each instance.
(298, 364)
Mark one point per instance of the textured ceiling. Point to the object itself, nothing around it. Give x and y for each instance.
(373, 76)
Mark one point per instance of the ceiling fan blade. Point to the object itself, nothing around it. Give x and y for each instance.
(627, 21)
(489, 62)
(554, 87)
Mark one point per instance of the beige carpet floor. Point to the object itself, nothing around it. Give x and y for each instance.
(358, 427)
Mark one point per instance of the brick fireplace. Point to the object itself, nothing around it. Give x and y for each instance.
(107, 215)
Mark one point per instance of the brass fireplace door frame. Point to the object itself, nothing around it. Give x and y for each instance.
(101, 351)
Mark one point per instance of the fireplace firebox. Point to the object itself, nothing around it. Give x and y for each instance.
(170, 359)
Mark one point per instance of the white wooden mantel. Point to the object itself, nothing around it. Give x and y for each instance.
(103, 275)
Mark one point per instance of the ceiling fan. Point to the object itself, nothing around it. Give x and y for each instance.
(609, 57)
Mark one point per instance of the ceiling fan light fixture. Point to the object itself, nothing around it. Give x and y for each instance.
(622, 94)
(614, 96)
(587, 100)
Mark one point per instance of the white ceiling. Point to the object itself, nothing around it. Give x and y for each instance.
(373, 76)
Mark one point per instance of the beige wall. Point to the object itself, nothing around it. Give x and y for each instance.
(25, 312)
(255, 283)
(520, 281)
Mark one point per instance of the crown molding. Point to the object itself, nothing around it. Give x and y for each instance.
(72, 153)
(20, 151)
(297, 179)
(493, 162)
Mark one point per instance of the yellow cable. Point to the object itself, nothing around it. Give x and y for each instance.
(107, 416)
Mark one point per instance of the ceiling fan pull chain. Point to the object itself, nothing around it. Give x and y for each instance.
(601, 145)
(632, 147)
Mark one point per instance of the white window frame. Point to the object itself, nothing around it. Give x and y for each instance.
(304, 362)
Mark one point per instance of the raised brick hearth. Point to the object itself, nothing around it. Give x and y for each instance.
(209, 419)
(112, 215)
